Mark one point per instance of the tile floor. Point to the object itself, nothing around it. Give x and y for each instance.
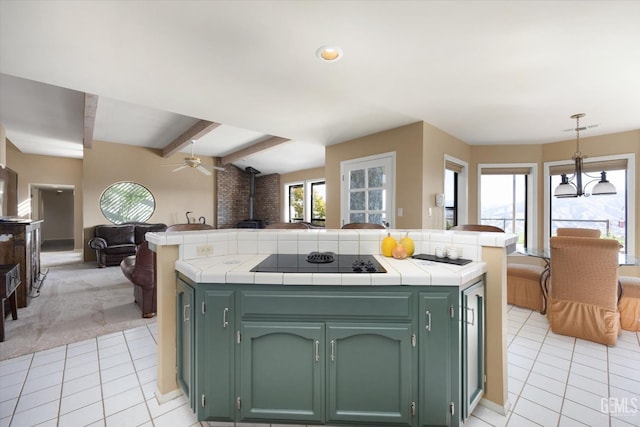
(553, 381)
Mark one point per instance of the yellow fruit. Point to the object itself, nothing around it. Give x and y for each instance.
(408, 243)
(399, 252)
(388, 243)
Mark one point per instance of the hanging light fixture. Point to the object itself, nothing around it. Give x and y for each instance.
(567, 188)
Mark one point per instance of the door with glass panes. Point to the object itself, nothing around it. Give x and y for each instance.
(367, 190)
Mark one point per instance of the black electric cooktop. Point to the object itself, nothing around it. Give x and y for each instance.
(319, 262)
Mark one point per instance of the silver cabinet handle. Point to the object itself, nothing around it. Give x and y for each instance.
(428, 325)
(185, 312)
(332, 356)
(317, 350)
(225, 323)
(473, 316)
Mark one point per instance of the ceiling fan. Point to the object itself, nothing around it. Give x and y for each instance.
(196, 163)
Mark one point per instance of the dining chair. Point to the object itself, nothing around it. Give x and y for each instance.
(363, 225)
(478, 227)
(583, 293)
(288, 225)
(578, 232)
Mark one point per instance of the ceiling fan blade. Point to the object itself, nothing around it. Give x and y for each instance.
(178, 168)
(203, 170)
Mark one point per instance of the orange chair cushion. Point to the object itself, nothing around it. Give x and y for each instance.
(629, 304)
(523, 286)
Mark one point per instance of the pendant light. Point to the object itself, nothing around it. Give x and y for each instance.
(569, 188)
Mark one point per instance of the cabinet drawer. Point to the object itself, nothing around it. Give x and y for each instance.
(378, 305)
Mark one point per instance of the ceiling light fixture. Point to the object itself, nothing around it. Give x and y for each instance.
(567, 188)
(329, 53)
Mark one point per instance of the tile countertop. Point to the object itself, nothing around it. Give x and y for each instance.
(236, 269)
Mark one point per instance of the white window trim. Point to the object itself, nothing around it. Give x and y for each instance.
(532, 196)
(463, 189)
(306, 198)
(631, 197)
(344, 209)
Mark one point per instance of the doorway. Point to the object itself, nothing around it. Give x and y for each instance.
(55, 206)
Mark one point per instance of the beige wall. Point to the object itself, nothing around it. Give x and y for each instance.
(298, 176)
(175, 192)
(437, 144)
(36, 169)
(406, 141)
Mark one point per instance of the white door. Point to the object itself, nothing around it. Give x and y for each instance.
(367, 191)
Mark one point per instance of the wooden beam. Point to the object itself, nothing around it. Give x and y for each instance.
(201, 128)
(255, 148)
(90, 107)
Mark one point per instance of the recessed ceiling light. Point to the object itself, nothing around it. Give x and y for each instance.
(329, 53)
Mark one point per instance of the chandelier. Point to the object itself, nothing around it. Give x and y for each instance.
(567, 187)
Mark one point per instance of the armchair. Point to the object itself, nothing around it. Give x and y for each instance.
(583, 295)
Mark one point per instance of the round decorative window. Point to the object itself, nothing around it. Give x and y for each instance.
(127, 202)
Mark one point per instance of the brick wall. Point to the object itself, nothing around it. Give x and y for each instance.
(232, 187)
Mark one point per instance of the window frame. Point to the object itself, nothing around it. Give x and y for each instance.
(307, 199)
(462, 202)
(531, 196)
(630, 201)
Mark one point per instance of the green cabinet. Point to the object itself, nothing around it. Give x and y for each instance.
(185, 335)
(215, 354)
(385, 355)
(473, 343)
(369, 373)
(281, 375)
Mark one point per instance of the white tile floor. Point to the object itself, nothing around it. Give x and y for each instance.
(553, 381)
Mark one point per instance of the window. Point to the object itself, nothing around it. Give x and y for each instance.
(127, 202)
(367, 189)
(306, 201)
(505, 199)
(450, 198)
(608, 213)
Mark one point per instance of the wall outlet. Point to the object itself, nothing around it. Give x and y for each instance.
(204, 250)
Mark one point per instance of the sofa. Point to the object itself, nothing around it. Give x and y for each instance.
(115, 242)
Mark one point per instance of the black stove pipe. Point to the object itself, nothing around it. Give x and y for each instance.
(252, 188)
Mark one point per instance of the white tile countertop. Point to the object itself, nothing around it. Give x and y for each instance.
(227, 256)
(236, 269)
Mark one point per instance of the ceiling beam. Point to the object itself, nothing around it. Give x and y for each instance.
(255, 148)
(90, 107)
(197, 131)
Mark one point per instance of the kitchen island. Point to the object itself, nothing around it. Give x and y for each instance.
(332, 315)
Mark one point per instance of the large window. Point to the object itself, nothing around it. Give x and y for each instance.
(506, 195)
(455, 194)
(306, 201)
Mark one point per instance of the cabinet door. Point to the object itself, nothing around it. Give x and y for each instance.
(370, 368)
(215, 382)
(473, 363)
(439, 360)
(282, 371)
(185, 336)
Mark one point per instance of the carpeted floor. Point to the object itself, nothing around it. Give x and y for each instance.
(76, 302)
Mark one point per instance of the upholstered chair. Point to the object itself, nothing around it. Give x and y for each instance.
(629, 304)
(578, 232)
(140, 269)
(583, 294)
(478, 227)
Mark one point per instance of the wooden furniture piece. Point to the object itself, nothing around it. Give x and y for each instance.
(363, 225)
(9, 281)
(583, 294)
(20, 241)
(189, 227)
(288, 225)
